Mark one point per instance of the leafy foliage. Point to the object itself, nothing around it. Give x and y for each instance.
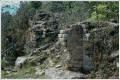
(105, 11)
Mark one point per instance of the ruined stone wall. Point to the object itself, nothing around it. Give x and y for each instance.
(42, 27)
(83, 41)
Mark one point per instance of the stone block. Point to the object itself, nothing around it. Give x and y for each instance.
(65, 35)
(60, 35)
(65, 50)
(61, 39)
(64, 44)
(62, 31)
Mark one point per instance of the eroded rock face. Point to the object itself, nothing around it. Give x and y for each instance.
(86, 42)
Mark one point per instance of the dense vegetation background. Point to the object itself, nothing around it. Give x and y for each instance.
(14, 27)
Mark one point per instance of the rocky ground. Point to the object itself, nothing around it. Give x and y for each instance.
(32, 69)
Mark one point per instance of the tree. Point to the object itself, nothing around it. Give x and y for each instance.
(6, 18)
(104, 11)
(14, 30)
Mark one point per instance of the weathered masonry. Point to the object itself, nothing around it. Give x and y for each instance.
(82, 44)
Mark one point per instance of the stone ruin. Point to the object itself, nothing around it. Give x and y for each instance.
(84, 40)
(42, 25)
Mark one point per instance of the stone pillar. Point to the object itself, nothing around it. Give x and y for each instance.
(75, 48)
